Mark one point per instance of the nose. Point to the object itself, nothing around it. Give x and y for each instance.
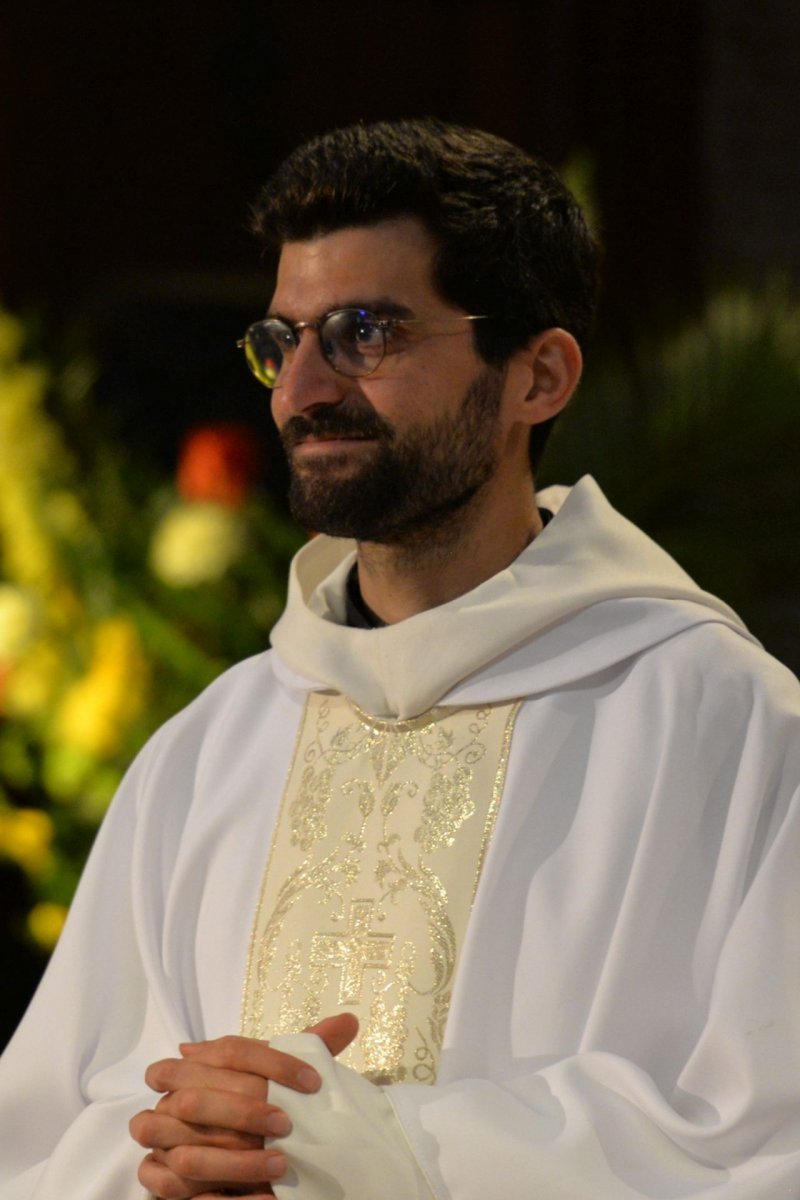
(306, 380)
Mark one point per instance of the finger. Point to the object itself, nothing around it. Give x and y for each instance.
(158, 1180)
(254, 1058)
(228, 1110)
(336, 1032)
(236, 1192)
(155, 1130)
(250, 1192)
(163, 1184)
(207, 1166)
(169, 1074)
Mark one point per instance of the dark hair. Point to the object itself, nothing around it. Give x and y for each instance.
(512, 240)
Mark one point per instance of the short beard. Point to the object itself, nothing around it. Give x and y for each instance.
(414, 485)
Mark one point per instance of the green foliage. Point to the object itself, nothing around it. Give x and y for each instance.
(696, 437)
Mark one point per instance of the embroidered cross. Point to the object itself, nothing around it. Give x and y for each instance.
(354, 950)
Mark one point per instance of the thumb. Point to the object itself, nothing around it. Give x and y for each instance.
(336, 1032)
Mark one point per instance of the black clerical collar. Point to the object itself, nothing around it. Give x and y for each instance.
(359, 615)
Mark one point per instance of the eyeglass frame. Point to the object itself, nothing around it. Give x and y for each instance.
(384, 324)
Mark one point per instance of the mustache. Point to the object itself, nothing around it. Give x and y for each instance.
(332, 422)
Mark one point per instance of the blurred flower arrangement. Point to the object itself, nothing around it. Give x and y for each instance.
(120, 598)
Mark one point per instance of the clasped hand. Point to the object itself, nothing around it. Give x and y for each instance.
(206, 1134)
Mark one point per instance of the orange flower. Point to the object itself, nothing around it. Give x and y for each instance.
(219, 462)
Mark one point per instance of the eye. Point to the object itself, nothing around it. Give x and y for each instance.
(282, 336)
(361, 332)
(370, 334)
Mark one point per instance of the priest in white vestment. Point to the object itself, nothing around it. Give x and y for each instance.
(508, 787)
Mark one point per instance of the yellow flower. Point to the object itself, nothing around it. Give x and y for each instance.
(26, 837)
(196, 543)
(18, 620)
(12, 335)
(32, 455)
(29, 436)
(97, 710)
(45, 922)
(34, 681)
(29, 556)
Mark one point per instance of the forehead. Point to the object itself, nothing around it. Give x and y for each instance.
(391, 260)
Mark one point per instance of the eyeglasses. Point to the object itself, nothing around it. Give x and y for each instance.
(352, 340)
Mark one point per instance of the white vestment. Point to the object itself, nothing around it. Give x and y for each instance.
(625, 1022)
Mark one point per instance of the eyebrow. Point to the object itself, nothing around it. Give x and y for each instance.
(381, 306)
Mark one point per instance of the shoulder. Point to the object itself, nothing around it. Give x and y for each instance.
(717, 692)
(248, 682)
(715, 657)
(227, 712)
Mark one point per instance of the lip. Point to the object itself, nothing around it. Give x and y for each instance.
(329, 444)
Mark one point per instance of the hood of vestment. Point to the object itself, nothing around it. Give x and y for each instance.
(589, 592)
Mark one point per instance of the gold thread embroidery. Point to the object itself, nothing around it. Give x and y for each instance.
(371, 837)
(252, 956)
(497, 791)
(353, 951)
(447, 806)
(385, 1036)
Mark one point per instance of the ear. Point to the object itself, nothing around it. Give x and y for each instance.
(545, 374)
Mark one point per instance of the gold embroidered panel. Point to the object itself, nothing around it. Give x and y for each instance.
(370, 880)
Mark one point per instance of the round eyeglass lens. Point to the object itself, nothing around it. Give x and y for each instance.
(353, 341)
(265, 345)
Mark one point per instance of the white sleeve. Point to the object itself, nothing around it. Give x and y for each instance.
(345, 1139)
(72, 1076)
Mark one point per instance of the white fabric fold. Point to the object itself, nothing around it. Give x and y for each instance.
(587, 555)
(345, 1139)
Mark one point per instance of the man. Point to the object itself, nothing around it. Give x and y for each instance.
(509, 789)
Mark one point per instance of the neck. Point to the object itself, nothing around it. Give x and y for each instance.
(431, 567)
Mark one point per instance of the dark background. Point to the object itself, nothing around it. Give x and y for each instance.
(133, 135)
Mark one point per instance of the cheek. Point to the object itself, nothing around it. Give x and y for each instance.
(409, 395)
